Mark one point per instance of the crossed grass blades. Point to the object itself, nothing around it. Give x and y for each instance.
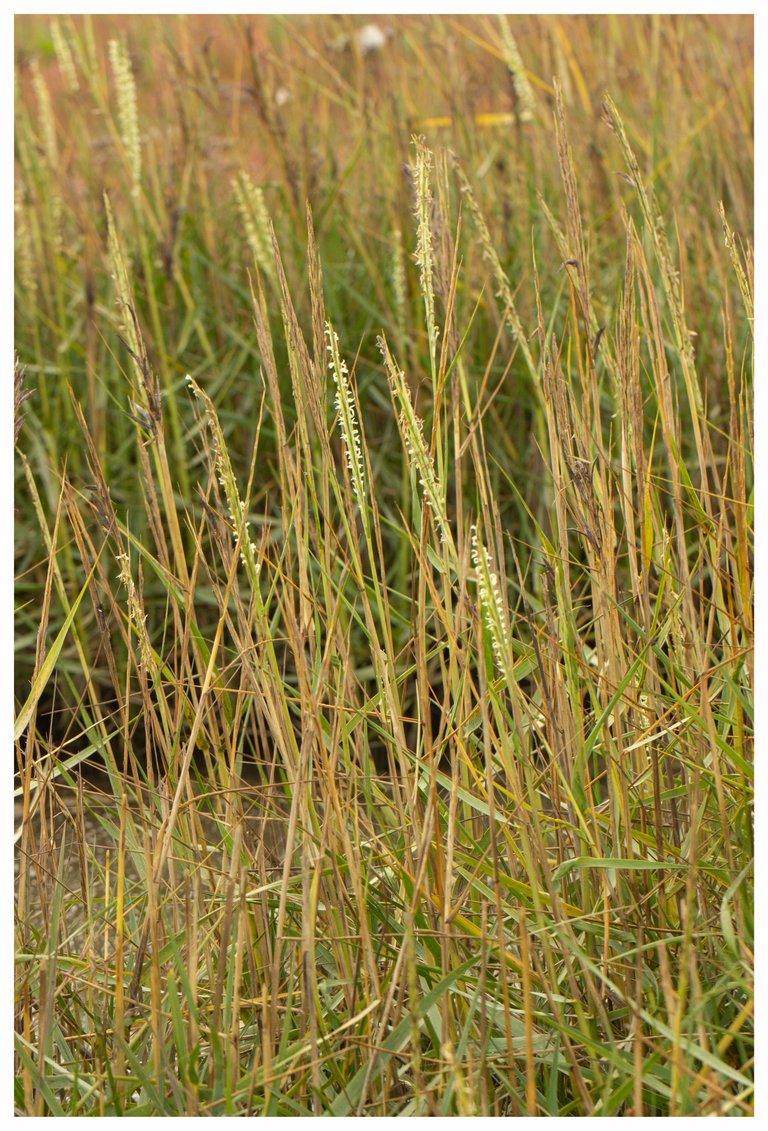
(384, 566)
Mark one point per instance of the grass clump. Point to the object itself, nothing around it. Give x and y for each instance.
(384, 567)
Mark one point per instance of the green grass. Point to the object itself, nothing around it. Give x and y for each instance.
(384, 566)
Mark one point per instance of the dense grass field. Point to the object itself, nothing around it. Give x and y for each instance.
(384, 585)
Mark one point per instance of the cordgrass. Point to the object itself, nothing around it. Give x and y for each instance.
(384, 580)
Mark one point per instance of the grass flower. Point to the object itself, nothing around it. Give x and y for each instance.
(127, 110)
(526, 104)
(64, 57)
(45, 115)
(412, 431)
(253, 212)
(491, 601)
(424, 246)
(346, 408)
(240, 524)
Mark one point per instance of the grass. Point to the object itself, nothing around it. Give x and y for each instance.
(384, 566)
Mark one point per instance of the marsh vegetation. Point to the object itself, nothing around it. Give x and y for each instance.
(384, 566)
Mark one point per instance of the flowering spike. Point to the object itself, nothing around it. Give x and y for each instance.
(347, 410)
(490, 600)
